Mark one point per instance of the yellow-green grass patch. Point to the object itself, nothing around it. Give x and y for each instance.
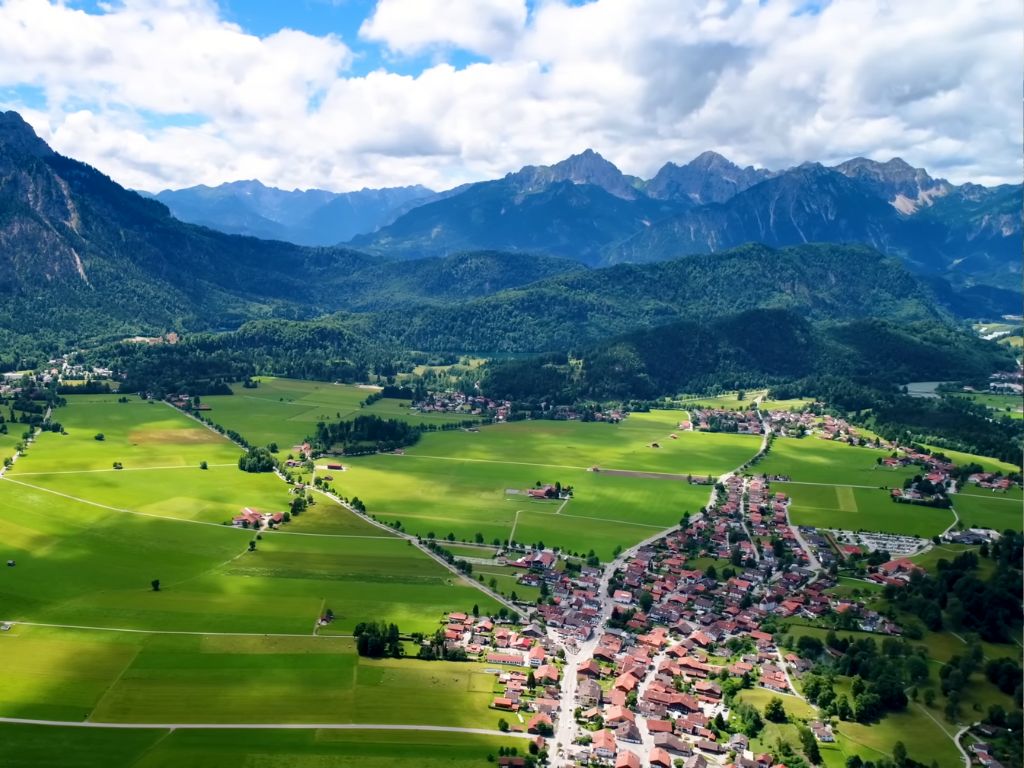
(987, 463)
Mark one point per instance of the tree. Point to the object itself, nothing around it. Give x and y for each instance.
(476, 610)
(531, 680)
(252, 545)
(646, 601)
(203, 465)
(503, 725)
(99, 436)
(155, 584)
(899, 754)
(810, 746)
(775, 712)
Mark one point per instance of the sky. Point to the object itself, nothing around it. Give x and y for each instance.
(346, 94)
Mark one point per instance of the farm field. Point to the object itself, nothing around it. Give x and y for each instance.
(974, 490)
(138, 433)
(24, 746)
(987, 464)
(1000, 405)
(88, 543)
(856, 509)
(74, 675)
(998, 512)
(466, 496)
(578, 445)
(793, 404)
(729, 401)
(286, 411)
(812, 460)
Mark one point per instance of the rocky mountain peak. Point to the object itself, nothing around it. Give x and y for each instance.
(18, 137)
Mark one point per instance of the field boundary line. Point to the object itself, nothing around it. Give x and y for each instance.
(191, 633)
(265, 726)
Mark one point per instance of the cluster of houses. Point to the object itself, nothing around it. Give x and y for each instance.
(720, 420)
(981, 753)
(1007, 381)
(790, 423)
(990, 481)
(459, 402)
(257, 520)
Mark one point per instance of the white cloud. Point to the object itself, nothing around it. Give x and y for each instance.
(486, 27)
(641, 81)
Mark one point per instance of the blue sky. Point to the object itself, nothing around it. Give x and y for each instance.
(342, 94)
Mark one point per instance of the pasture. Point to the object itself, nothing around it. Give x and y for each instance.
(996, 511)
(813, 460)
(988, 464)
(559, 445)
(856, 509)
(26, 746)
(1000, 405)
(89, 541)
(464, 497)
(110, 677)
(286, 411)
(139, 433)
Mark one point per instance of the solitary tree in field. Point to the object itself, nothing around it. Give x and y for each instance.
(252, 545)
(203, 465)
(100, 436)
(155, 584)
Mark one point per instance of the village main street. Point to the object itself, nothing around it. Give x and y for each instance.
(567, 729)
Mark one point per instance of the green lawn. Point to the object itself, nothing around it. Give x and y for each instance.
(856, 509)
(24, 746)
(286, 411)
(730, 401)
(793, 404)
(997, 511)
(140, 678)
(139, 434)
(812, 460)
(988, 464)
(465, 496)
(1000, 405)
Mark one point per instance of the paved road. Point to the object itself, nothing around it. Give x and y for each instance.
(261, 727)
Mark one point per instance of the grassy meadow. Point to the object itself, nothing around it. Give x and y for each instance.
(855, 509)
(996, 511)
(23, 746)
(812, 460)
(285, 411)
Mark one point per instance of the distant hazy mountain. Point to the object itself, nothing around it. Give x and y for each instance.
(305, 217)
(585, 209)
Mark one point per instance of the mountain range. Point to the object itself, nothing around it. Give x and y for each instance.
(305, 217)
(83, 261)
(585, 209)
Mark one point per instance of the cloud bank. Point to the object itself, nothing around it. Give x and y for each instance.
(169, 93)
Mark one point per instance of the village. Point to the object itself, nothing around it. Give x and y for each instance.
(641, 663)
